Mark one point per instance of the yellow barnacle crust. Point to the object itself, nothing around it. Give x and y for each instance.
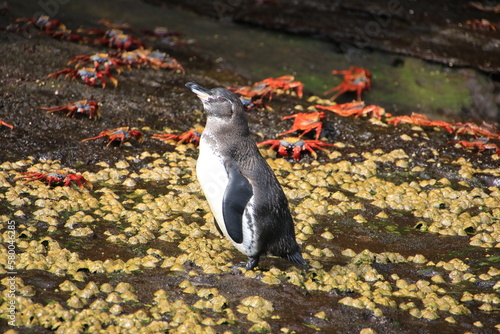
(140, 253)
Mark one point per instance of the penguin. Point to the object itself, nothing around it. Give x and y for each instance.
(244, 195)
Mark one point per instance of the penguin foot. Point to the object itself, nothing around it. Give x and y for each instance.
(252, 262)
(249, 265)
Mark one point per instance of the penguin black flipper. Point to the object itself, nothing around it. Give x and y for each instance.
(238, 193)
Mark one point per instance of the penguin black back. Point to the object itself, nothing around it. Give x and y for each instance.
(247, 201)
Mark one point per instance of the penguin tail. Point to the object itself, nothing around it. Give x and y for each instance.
(297, 258)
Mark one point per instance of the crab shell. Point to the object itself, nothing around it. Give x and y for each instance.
(356, 79)
(123, 134)
(306, 122)
(296, 144)
(57, 177)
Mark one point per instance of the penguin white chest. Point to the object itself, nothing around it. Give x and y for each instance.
(213, 178)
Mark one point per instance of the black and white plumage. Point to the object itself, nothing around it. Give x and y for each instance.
(246, 199)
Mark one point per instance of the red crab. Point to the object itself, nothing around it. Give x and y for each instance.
(130, 58)
(7, 124)
(486, 129)
(249, 104)
(89, 75)
(265, 88)
(356, 79)
(191, 136)
(107, 60)
(58, 177)
(52, 27)
(119, 40)
(80, 107)
(483, 24)
(122, 135)
(479, 145)
(155, 59)
(356, 108)
(422, 120)
(306, 122)
(43, 22)
(66, 34)
(284, 83)
(296, 145)
(251, 91)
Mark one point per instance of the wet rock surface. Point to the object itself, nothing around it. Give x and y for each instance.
(399, 226)
(435, 31)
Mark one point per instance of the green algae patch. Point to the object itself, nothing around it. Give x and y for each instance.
(421, 86)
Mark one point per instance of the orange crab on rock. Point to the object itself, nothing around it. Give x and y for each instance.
(89, 75)
(284, 83)
(306, 122)
(421, 120)
(80, 107)
(109, 61)
(43, 22)
(481, 146)
(123, 134)
(486, 129)
(191, 136)
(159, 60)
(356, 79)
(116, 38)
(483, 24)
(296, 145)
(356, 108)
(266, 88)
(58, 177)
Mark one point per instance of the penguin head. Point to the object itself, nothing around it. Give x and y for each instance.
(218, 102)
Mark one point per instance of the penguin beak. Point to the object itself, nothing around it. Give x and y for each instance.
(202, 93)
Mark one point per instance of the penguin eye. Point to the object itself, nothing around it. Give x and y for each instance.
(221, 99)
